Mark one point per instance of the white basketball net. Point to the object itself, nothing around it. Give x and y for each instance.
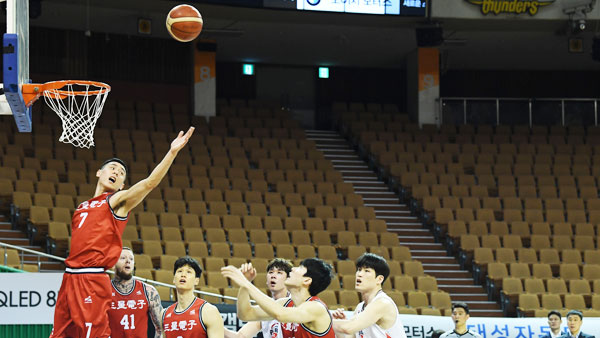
(79, 106)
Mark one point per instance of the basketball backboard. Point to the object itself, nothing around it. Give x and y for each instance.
(16, 61)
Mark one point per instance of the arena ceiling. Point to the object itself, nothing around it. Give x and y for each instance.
(304, 38)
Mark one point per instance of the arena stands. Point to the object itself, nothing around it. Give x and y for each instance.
(251, 187)
(517, 205)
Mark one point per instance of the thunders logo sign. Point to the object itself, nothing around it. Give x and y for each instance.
(496, 7)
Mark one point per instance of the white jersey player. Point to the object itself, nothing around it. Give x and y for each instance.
(377, 315)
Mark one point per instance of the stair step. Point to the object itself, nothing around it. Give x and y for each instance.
(418, 230)
(404, 234)
(355, 170)
(323, 138)
(320, 131)
(34, 258)
(400, 209)
(428, 253)
(436, 260)
(448, 274)
(358, 175)
(371, 189)
(355, 161)
(373, 186)
(455, 281)
(368, 194)
(423, 246)
(5, 226)
(402, 224)
(487, 313)
(440, 266)
(333, 144)
(383, 198)
(420, 239)
(11, 234)
(393, 225)
(15, 240)
(359, 180)
(52, 266)
(464, 289)
(384, 204)
(483, 305)
(400, 217)
(410, 232)
(354, 157)
(385, 207)
(468, 297)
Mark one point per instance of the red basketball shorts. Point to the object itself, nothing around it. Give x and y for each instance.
(82, 305)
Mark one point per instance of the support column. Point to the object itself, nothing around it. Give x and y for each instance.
(423, 76)
(205, 82)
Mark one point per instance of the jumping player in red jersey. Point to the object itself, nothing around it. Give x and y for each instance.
(85, 293)
(308, 317)
(132, 302)
(190, 317)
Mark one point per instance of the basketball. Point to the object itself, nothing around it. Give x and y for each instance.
(184, 23)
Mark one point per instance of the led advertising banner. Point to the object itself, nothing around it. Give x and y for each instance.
(381, 7)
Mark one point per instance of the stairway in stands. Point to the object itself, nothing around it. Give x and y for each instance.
(19, 238)
(411, 233)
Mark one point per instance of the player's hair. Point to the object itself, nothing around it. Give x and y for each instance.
(189, 261)
(320, 272)
(115, 159)
(375, 262)
(437, 333)
(554, 312)
(462, 305)
(281, 264)
(128, 248)
(575, 313)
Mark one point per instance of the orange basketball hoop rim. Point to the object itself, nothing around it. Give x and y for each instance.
(33, 91)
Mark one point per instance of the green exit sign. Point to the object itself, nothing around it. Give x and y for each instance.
(323, 72)
(248, 69)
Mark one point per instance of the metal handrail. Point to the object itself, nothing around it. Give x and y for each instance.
(520, 98)
(149, 281)
(530, 101)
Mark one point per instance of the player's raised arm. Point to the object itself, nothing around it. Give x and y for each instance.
(245, 310)
(368, 317)
(339, 316)
(155, 309)
(269, 308)
(124, 201)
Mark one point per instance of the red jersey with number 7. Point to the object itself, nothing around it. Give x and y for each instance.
(128, 313)
(95, 234)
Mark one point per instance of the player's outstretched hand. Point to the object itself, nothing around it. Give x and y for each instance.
(249, 271)
(338, 314)
(181, 140)
(234, 274)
